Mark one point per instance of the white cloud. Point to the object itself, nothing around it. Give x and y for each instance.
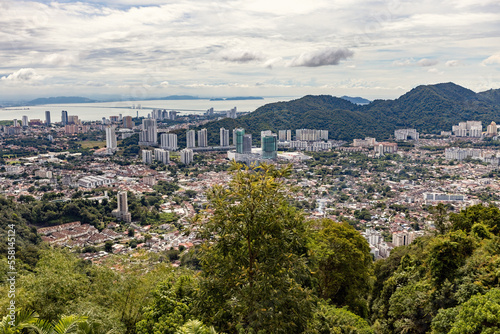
(492, 60)
(23, 75)
(57, 59)
(323, 57)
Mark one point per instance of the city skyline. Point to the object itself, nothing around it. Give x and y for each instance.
(156, 48)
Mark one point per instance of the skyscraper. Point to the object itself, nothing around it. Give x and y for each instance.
(127, 122)
(168, 141)
(186, 156)
(15, 123)
(247, 144)
(147, 157)
(162, 156)
(25, 120)
(202, 138)
(148, 135)
(64, 117)
(47, 118)
(190, 139)
(224, 137)
(122, 211)
(239, 139)
(110, 140)
(269, 147)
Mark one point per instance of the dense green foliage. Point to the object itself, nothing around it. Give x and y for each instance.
(430, 109)
(434, 283)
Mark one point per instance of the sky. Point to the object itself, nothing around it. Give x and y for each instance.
(153, 48)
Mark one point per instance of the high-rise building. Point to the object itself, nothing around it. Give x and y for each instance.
(269, 147)
(73, 119)
(162, 156)
(240, 133)
(147, 157)
(247, 144)
(231, 113)
(25, 121)
(172, 115)
(202, 138)
(224, 137)
(186, 156)
(168, 141)
(127, 122)
(149, 134)
(47, 118)
(285, 135)
(190, 139)
(262, 135)
(492, 129)
(111, 145)
(64, 117)
(122, 211)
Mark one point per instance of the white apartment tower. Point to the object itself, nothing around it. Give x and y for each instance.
(202, 138)
(162, 156)
(168, 141)
(147, 157)
(190, 139)
(111, 145)
(224, 137)
(149, 133)
(186, 156)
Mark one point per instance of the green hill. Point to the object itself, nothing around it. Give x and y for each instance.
(428, 108)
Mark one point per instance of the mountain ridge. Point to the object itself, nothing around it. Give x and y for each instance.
(428, 108)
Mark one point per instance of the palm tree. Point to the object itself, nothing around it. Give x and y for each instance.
(23, 319)
(195, 327)
(29, 320)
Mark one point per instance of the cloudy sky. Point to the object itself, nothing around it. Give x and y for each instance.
(151, 48)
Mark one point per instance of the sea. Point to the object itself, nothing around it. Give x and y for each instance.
(96, 111)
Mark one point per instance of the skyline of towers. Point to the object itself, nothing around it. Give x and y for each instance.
(149, 133)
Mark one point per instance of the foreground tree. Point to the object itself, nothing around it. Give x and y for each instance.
(342, 264)
(253, 260)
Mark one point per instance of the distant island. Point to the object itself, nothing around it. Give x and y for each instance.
(237, 98)
(60, 100)
(356, 100)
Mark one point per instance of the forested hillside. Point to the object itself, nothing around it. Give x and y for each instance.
(429, 109)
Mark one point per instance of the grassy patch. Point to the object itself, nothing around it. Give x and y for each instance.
(92, 144)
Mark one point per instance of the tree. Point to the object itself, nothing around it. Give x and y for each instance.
(253, 258)
(328, 319)
(342, 265)
(480, 314)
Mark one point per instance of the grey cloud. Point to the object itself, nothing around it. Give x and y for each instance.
(241, 56)
(453, 63)
(427, 62)
(324, 57)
